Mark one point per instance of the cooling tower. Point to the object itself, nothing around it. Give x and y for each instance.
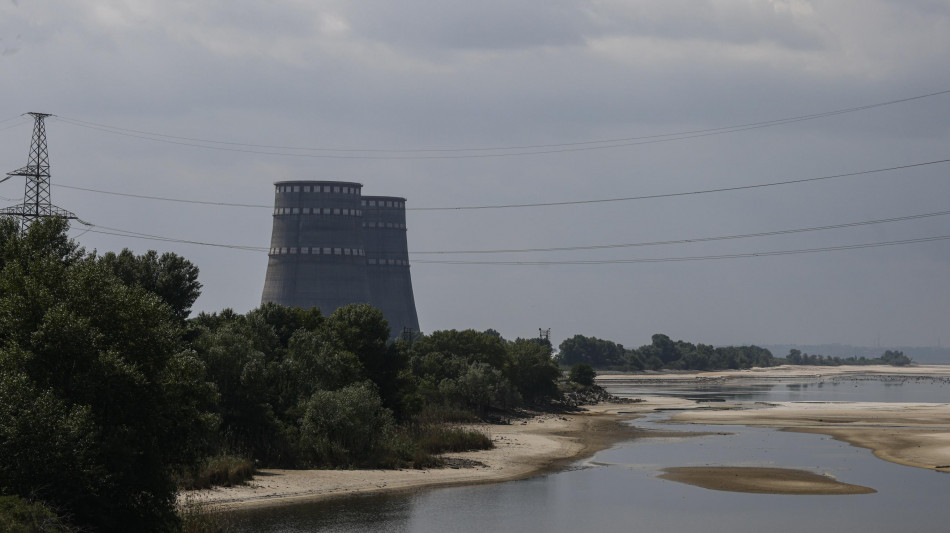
(332, 247)
(317, 257)
(387, 261)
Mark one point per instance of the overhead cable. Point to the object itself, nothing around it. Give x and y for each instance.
(148, 236)
(690, 241)
(536, 204)
(459, 153)
(693, 258)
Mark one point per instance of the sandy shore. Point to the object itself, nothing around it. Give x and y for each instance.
(915, 434)
(522, 449)
(912, 434)
(784, 372)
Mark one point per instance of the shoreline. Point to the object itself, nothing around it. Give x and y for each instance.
(542, 444)
(910, 434)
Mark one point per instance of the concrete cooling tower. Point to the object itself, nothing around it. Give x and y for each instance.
(332, 247)
(387, 261)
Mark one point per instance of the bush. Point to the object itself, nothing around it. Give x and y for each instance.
(20, 516)
(441, 439)
(222, 470)
(583, 374)
(347, 427)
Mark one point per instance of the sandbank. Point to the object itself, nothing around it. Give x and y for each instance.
(911, 434)
(758, 480)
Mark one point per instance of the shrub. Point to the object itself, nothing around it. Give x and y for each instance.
(583, 374)
(441, 439)
(222, 470)
(347, 427)
(20, 516)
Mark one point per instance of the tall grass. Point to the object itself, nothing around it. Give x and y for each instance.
(221, 470)
(441, 439)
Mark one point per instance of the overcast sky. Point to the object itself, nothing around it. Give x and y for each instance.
(451, 75)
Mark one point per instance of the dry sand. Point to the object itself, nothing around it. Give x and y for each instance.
(522, 449)
(912, 434)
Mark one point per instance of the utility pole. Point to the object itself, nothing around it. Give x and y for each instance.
(36, 197)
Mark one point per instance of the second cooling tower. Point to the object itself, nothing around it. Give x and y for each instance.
(387, 261)
(332, 247)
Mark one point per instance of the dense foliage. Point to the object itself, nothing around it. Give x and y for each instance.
(889, 357)
(662, 353)
(111, 398)
(100, 397)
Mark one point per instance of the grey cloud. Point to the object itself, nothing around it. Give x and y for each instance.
(465, 25)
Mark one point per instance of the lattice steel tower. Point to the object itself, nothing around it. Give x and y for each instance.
(36, 201)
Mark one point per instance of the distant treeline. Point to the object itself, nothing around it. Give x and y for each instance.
(924, 355)
(889, 357)
(664, 353)
(110, 396)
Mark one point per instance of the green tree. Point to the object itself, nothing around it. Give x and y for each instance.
(104, 359)
(531, 370)
(591, 350)
(582, 374)
(171, 277)
(345, 427)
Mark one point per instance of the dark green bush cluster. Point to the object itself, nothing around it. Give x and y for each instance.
(479, 371)
(889, 357)
(101, 398)
(662, 353)
(20, 516)
(582, 374)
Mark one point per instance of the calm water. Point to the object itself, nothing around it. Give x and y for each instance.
(617, 490)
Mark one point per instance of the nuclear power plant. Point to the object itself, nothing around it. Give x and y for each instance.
(331, 246)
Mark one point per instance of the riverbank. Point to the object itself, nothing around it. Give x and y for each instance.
(524, 448)
(911, 434)
(784, 372)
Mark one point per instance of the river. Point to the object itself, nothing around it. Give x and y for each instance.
(617, 489)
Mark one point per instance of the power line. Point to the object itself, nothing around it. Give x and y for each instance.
(538, 204)
(161, 198)
(457, 153)
(693, 258)
(672, 195)
(690, 241)
(148, 236)
(17, 125)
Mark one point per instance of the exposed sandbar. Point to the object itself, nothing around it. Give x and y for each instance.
(912, 434)
(761, 480)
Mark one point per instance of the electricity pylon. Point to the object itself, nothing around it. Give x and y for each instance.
(36, 202)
